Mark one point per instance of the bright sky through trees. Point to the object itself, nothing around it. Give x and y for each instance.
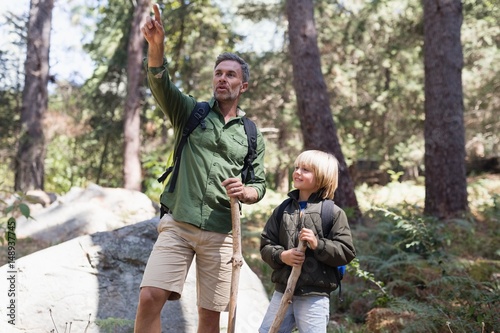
(67, 59)
(69, 62)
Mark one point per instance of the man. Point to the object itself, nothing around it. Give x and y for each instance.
(198, 214)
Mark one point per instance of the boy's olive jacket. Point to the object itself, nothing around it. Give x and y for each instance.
(318, 270)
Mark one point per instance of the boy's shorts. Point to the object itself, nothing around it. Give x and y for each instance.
(173, 253)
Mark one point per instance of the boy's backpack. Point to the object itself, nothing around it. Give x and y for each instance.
(327, 216)
(196, 118)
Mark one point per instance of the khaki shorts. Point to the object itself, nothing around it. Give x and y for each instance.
(173, 253)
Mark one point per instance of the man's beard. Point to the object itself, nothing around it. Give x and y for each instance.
(227, 96)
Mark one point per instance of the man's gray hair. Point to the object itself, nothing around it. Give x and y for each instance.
(231, 56)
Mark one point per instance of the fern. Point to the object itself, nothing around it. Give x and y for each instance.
(410, 270)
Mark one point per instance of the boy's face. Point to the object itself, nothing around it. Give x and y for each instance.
(228, 82)
(304, 179)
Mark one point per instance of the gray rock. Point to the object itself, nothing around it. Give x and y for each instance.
(86, 211)
(91, 283)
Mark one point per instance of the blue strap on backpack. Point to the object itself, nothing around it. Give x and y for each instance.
(327, 216)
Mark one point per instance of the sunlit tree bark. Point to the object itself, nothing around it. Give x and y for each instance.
(132, 163)
(445, 174)
(313, 102)
(29, 163)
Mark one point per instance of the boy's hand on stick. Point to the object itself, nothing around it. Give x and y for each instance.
(307, 235)
(293, 257)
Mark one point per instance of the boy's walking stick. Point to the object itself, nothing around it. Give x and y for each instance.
(237, 261)
(287, 296)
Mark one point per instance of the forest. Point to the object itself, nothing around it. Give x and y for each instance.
(403, 93)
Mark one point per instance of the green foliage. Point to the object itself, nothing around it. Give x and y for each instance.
(372, 63)
(413, 233)
(441, 271)
(154, 165)
(425, 270)
(435, 274)
(111, 325)
(108, 325)
(394, 175)
(11, 82)
(481, 79)
(10, 214)
(62, 166)
(371, 56)
(82, 147)
(270, 101)
(194, 39)
(96, 153)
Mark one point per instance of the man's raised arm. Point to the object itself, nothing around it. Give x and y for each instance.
(154, 33)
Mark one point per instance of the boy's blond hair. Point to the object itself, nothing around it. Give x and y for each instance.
(325, 168)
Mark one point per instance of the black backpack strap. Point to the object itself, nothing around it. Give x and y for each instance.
(327, 220)
(327, 216)
(247, 173)
(197, 117)
(281, 209)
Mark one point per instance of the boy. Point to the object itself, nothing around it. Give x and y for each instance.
(315, 179)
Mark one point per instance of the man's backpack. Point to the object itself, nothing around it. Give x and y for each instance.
(197, 118)
(327, 216)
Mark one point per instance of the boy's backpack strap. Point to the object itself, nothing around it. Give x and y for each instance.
(197, 117)
(281, 209)
(327, 216)
(247, 173)
(327, 219)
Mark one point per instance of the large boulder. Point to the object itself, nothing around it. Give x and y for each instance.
(91, 284)
(83, 211)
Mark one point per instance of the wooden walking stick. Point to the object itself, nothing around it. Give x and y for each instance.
(288, 294)
(237, 261)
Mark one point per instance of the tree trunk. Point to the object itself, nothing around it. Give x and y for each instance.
(132, 172)
(29, 163)
(282, 173)
(313, 103)
(445, 173)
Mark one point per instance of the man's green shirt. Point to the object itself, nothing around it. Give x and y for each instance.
(210, 156)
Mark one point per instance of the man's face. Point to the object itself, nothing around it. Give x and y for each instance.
(228, 82)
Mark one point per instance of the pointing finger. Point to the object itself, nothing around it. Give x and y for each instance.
(149, 22)
(156, 9)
